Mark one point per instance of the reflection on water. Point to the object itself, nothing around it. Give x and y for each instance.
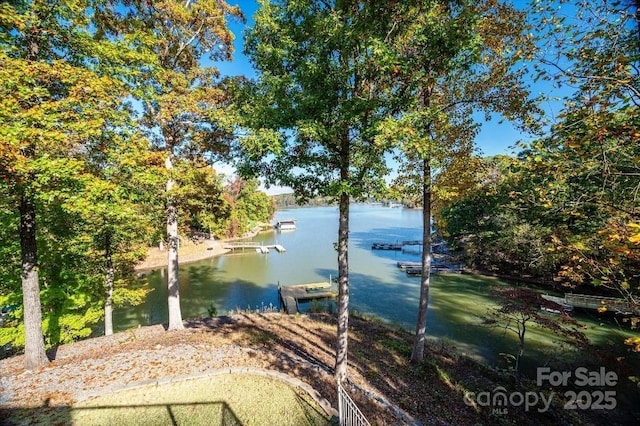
(377, 286)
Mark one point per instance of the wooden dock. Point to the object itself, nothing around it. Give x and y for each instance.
(395, 246)
(435, 269)
(405, 265)
(586, 301)
(252, 245)
(386, 246)
(436, 247)
(292, 294)
(241, 245)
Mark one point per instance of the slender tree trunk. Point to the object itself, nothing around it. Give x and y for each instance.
(521, 334)
(175, 315)
(638, 17)
(417, 354)
(343, 266)
(108, 283)
(34, 353)
(343, 289)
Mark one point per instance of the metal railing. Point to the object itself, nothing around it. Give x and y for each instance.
(348, 411)
(242, 244)
(595, 302)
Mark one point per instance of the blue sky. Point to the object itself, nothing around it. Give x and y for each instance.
(494, 137)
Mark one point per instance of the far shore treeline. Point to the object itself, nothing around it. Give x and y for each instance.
(113, 113)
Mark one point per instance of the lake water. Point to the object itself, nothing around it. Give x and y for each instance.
(249, 280)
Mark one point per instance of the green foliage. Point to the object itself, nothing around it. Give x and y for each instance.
(308, 54)
(320, 306)
(256, 205)
(554, 215)
(68, 147)
(12, 336)
(592, 152)
(401, 347)
(449, 61)
(284, 201)
(200, 195)
(476, 71)
(588, 197)
(495, 223)
(9, 249)
(245, 207)
(573, 191)
(184, 104)
(519, 308)
(212, 310)
(323, 86)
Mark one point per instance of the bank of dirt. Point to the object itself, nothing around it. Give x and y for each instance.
(188, 252)
(192, 250)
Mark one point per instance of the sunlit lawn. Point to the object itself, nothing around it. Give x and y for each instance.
(228, 399)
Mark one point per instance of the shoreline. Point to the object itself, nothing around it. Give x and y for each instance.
(157, 259)
(190, 252)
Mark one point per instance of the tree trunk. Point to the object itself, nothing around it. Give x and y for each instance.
(108, 283)
(417, 354)
(638, 17)
(34, 353)
(521, 334)
(175, 315)
(343, 289)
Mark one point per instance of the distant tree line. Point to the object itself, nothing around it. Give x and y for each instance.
(283, 201)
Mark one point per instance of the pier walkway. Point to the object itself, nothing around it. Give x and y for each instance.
(386, 246)
(252, 245)
(436, 246)
(415, 268)
(585, 301)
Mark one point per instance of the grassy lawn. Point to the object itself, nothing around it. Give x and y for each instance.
(228, 399)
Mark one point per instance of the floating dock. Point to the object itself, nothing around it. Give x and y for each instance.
(405, 265)
(435, 247)
(386, 246)
(251, 245)
(435, 269)
(292, 294)
(585, 301)
(395, 246)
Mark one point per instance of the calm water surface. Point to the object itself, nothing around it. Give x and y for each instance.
(377, 286)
